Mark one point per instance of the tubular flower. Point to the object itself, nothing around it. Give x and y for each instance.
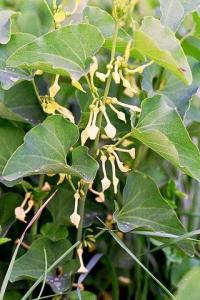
(54, 88)
(120, 165)
(82, 268)
(75, 217)
(100, 195)
(131, 151)
(105, 181)
(20, 213)
(50, 106)
(129, 106)
(85, 133)
(121, 116)
(59, 15)
(110, 130)
(77, 2)
(93, 129)
(115, 180)
(139, 69)
(103, 76)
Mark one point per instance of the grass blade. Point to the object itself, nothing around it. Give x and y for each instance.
(45, 275)
(120, 242)
(39, 280)
(10, 267)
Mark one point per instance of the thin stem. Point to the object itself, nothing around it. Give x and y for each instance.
(96, 142)
(106, 91)
(36, 91)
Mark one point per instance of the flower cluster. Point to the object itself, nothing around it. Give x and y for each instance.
(20, 212)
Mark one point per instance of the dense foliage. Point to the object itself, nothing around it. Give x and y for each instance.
(99, 156)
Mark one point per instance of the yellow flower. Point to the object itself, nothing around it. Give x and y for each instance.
(105, 181)
(115, 180)
(75, 217)
(82, 268)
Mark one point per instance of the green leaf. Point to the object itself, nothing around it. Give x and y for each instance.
(13, 106)
(174, 11)
(101, 19)
(44, 152)
(5, 25)
(84, 296)
(11, 76)
(161, 129)
(32, 263)
(4, 240)
(188, 287)
(106, 24)
(191, 46)
(66, 50)
(54, 232)
(35, 18)
(170, 86)
(8, 202)
(143, 206)
(160, 44)
(11, 138)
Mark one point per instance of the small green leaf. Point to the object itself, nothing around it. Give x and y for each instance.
(143, 206)
(44, 152)
(67, 50)
(5, 25)
(4, 240)
(11, 138)
(161, 129)
(188, 287)
(160, 44)
(32, 263)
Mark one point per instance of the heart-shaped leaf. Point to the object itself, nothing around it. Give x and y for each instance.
(32, 264)
(44, 152)
(143, 206)
(64, 51)
(161, 128)
(160, 44)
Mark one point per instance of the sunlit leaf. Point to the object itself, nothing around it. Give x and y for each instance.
(67, 50)
(47, 155)
(160, 44)
(161, 128)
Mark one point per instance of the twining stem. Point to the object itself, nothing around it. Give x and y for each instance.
(96, 142)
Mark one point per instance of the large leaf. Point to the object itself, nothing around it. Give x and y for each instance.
(11, 139)
(5, 25)
(44, 152)
(161, 128)
(13, 106)
(10, 76)
(32, 264)
(178, 92)
(143, 206)
(174, 11)
(66, 50)
(35, 17)
(188, 287)
(160, 44)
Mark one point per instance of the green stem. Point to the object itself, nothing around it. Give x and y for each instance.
(106, 92)
(36, 91)
(96, 142)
